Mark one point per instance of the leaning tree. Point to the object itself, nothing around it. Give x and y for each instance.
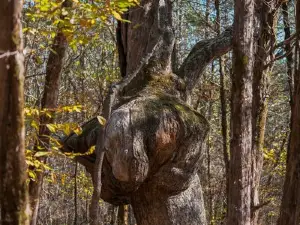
(147, 154)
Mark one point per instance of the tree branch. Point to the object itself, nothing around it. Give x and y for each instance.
(202, 54)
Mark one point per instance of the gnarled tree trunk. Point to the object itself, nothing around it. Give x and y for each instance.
(152, 139)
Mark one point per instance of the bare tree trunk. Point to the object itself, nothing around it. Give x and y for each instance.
(123, 215)
(208, 153)
(239, 208)
(223, 108)
(266, 19)
(207, 13)
(114, 215)
(289, 63)
(49, 101)
(288, 49)
(75, 194)
(290, 205)
(13, 188)
(224, 127)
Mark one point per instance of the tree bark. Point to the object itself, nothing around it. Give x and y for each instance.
(152, 140)
(290, 205)
(266, 12)
(49, 102)
(288, 49)
(223, 101)
(200, 56)
(128, 163)
(239, 208)
(13, 189)
(75, 194)
(123, 215)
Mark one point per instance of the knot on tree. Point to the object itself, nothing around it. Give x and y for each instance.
(154, 139)
(152, 148)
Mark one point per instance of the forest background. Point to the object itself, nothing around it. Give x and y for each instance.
(62, 93)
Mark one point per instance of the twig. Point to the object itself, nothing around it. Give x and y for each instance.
(286, 41)
(257, 207)
(7, 54)
(35, 75)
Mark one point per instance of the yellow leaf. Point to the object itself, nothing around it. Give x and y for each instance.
(39, 154)
(53, 177)
(32, 175)
(101, 120)
(63, 179)
(67, 129)
(34, 124)
(78, 130)
(51, 127)
(116, 15)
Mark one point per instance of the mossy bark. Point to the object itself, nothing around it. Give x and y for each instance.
(152, 139)
(153, 146)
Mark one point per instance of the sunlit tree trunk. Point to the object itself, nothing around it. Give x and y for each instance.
(13, 188)
(266, 17)
(239, 205)
(290, 205)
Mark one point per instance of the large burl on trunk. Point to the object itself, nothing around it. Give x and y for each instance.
(152, 139)
(153, 145)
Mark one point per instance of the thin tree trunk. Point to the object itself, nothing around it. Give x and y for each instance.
(224, 127)
(239, 208)
(114, 215)
(75, 194)
(207, 13)
(266, 18)
(288, 48)
(49, 101)
(208, 149)
(123, 215)
(290, 205)
(13, 188)
(223, 108)
(289, 62)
